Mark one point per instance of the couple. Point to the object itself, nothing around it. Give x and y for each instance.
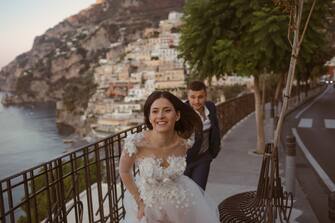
(182, 138)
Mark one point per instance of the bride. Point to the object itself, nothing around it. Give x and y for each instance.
(161, 193)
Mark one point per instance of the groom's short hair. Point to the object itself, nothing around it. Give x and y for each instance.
(197, 86)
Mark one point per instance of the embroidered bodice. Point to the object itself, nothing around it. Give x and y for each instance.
(157, 184)
(151, 168)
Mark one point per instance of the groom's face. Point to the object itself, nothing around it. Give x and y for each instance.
(197, 99)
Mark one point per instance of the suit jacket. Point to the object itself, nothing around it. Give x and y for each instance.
(214, 137)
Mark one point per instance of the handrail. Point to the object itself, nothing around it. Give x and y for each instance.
(269, 202)
(84, 185)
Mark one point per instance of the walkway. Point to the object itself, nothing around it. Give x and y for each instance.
(236, 169)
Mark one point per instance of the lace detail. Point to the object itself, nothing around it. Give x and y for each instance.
(157, 185)
(131, 141)
(189, 142)
(167, 193)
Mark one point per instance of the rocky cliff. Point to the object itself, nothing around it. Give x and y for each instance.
(59, 67)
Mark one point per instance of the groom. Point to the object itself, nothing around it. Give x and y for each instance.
(207, 146)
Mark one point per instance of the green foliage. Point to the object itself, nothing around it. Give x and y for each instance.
(40, 184)
(204, 25)
(233, 91)
(229, 91)
(23, 83)
(264, 45)
(315, 49)
(78, 91)
(243, 37)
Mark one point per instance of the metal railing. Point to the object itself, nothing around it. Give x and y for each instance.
(84, 185)
(234, 110)
(269, 203)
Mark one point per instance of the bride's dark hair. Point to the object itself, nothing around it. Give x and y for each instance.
(189, 121)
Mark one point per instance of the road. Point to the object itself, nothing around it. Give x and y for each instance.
(313, 126)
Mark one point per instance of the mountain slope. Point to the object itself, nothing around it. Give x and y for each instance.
(69, 51)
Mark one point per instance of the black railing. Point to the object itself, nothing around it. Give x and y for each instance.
(234, 110)
(84, 185)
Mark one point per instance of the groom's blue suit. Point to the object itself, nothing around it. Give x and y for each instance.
(198, 165)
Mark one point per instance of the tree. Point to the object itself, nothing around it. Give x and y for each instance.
(245, 38)
(299, 22)
(315, 48)
(78, 91)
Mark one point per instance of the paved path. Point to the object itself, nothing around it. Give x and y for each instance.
(236, 169)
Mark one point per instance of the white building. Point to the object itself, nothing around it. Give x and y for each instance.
(136, 94)
(126, 108)
(175, 16)
(149, 86)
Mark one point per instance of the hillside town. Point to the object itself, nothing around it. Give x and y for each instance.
(129, 74)
(168, 111)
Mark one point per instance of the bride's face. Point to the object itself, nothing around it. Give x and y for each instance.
(163, 115)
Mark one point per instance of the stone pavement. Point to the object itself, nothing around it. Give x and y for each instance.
(236, 169)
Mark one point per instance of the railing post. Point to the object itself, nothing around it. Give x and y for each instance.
(290, 164)
(272, 111)
(331, 204)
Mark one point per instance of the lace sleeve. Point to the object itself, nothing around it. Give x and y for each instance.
(130, 144)
(189, 142)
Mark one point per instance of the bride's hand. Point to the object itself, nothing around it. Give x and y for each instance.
(140, 212)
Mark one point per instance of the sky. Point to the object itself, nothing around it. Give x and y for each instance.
(22, 20)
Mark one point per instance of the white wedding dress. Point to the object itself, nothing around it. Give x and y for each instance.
(169, 196)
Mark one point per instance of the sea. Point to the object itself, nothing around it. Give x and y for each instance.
(28, 137)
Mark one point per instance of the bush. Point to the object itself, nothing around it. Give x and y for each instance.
(40, 184)
(229, 91)
(23, 83)
(78, 92)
